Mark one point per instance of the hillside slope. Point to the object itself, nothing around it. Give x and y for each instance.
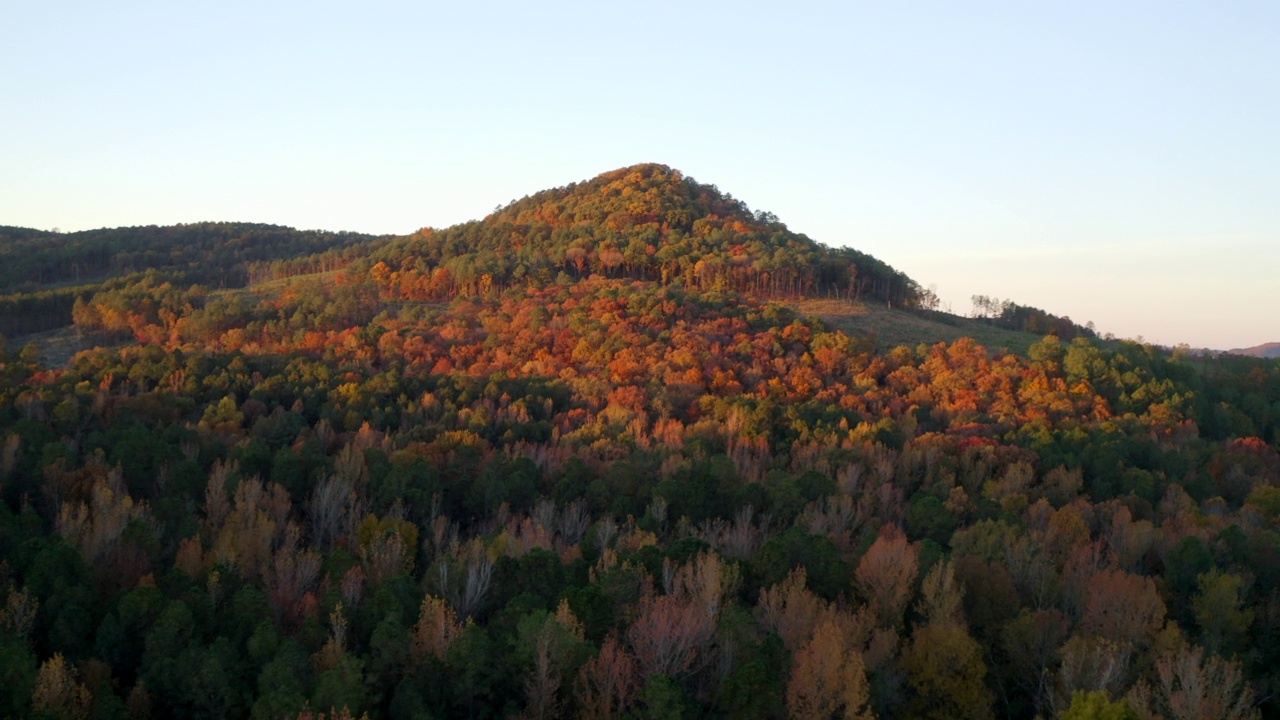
(1266, 350)
(645, 222)
(389, 485)
(888, 328)
(42, 273)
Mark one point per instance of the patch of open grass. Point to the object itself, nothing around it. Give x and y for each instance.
(58, 347)
(890, 328)
(278, 285)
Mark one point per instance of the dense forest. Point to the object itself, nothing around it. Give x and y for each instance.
(577, 460)
(42, 273)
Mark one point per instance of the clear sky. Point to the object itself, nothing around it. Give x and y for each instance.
(1112, 161)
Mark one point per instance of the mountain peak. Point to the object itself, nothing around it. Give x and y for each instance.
(648, 192)
(646, 222)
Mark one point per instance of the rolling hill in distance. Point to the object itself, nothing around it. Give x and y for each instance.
(1265, 350)
(623, 448)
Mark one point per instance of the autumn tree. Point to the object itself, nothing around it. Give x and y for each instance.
(553, 644)
(1122, 607)
(946, 671)
(1220, 611)
(96, 527)
(1191, 685)
(791, 610)
(437, 628)
(58, 691)
(942, 596)
(669, 637)
(828, 679)
(608, 682)
(1092, 664)
(885, 575)
(289, 576)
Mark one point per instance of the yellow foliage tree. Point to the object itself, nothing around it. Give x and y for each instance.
(828, 679)
(58, 692)
(945, 669)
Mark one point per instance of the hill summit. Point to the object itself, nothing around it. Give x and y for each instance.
(646, 222)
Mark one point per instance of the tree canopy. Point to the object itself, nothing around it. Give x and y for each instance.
(621, 487)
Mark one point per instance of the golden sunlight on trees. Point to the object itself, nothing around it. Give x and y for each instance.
(587, 458)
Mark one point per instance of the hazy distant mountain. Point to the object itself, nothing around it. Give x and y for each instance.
(1265, 350)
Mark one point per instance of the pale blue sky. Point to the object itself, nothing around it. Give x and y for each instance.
(1113, 161)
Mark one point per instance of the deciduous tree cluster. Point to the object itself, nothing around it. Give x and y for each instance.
(618, 495)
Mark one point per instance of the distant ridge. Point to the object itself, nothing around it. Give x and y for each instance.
(1265, 350)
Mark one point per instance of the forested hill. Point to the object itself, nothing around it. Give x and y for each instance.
(585, 458)
(645, 222)
(42, 273)
(215, 253)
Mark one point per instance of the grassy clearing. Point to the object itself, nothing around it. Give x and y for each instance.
(58, 347)
(890, 328)
(274, 286)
